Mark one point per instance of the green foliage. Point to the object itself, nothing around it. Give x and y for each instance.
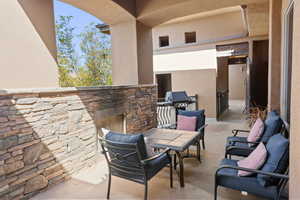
(93, 66)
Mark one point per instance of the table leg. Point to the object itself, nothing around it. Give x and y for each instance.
(175, 162)
(181, 172)
(198, 151)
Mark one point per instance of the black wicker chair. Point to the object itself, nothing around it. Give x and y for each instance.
(127, 158)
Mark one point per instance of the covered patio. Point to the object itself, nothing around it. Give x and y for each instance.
(49, 146)
(199, 178)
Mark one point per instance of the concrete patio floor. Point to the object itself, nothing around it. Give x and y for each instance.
(199, 178)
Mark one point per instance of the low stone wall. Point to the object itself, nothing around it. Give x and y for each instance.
(48, 134)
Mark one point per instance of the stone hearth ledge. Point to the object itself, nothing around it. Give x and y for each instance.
(5, 92)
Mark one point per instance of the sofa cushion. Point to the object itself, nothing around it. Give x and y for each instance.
(229, 178)
(254, 161)
(277, 161)
(256, 131)
(200, 114)
(273, 124)
(186, 123)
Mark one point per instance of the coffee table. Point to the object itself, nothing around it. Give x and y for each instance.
(176, 140)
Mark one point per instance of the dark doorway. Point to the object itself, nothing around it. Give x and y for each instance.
(259, 74)
(164, 84)
(230, 55)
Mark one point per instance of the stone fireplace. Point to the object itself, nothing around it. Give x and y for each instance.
(48, 135)
(112, 119)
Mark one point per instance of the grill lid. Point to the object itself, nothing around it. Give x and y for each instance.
(177, 97)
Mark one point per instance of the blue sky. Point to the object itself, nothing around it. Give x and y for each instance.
(80, 20)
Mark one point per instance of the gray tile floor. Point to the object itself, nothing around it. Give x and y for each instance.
(199, 178)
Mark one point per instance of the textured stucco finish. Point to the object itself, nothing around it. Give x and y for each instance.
(111, 12)
(157, 12)
(25, 60)
(274, 55)
(209, 28)
(132, 58)
(258, 19)
(200, 82)
(42, 17)
(295, 109)
(237, 77)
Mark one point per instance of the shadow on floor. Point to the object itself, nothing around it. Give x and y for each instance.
(199, 178)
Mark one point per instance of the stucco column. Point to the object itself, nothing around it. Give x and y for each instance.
(132, 53)
(295, 109)
(28, 44)
(41, 15)
(274, 55)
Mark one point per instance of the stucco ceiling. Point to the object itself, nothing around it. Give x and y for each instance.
(156, 12)
(204, 14)
(109, 11)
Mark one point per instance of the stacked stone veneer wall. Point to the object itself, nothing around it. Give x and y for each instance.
(47, 135)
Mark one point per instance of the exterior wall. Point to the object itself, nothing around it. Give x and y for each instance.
(124, 57)
(41, 15)
(145, 53)
(200, 82)
(223, 26)
(25, 60)
(237, 77)
(132, 58)
(258, 19)
(295, 108)
(275, 55)
(49, 134)
(188, 60)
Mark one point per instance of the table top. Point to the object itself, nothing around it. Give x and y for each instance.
(176, 140)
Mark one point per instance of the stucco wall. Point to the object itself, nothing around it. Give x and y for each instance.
(200, 82)
(124, 56)
(25, 60)
(188, 60)
(295, 109)
(237, 77)
(207, 28)
(132, 58)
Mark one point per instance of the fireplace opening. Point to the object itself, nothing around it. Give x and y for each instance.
(116, 123)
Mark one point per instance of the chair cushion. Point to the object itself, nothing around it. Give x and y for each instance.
(186, 123)
(242, 149)
(130, 139)
(229, 178)
(200, 114)
(256, 131)
(254, 161)
(277, 161)
(156, 165)
(273, 124)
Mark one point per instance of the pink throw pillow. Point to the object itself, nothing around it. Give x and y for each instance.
(256, 131)
(254, 161)
(186, 123)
